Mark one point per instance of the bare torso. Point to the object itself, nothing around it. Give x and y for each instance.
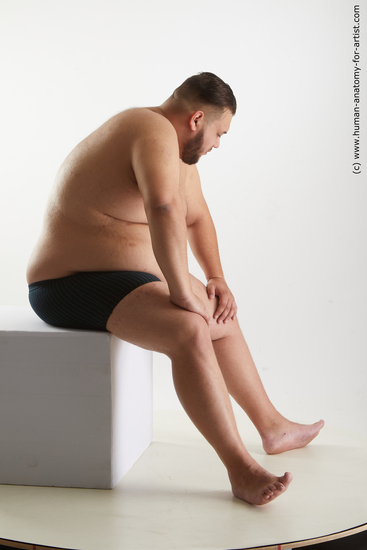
(95, 218)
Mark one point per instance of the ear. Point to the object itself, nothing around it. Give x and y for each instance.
(196, 121)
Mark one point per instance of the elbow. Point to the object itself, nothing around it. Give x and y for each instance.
(164, 206)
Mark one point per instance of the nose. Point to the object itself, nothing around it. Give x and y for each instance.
(217, 143)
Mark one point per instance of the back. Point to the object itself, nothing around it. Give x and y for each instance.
(95, 218)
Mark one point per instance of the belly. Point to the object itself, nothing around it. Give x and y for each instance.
(67, 248)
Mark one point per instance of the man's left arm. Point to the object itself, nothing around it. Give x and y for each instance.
(203, 242)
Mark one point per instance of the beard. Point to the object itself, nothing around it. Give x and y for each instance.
(191, 151)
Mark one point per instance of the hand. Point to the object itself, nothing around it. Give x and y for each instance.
(227, 308)
(194, 304)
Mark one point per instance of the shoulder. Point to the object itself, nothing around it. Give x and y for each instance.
(154, 151)
(145, 122)
(153, 139)
(139, 125)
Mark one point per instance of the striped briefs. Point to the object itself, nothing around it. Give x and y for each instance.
(84, 300)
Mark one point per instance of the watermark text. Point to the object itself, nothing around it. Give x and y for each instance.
(357, 163)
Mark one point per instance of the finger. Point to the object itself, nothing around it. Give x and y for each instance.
(219, 310)
(224, 314)
(230, 311)
(211, 291)
(223, 307)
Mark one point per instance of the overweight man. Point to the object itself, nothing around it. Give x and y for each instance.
(112, 256)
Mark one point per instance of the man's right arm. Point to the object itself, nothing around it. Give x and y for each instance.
(155, 161)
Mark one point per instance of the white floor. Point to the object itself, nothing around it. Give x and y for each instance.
(177, 497)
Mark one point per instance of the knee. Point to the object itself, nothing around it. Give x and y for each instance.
(192, 334)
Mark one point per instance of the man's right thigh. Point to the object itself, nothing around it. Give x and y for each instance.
(147, 318)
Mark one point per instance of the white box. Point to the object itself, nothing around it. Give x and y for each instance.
(75, 406)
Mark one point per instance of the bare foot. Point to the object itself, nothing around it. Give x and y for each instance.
(289, 435)
(257, 486)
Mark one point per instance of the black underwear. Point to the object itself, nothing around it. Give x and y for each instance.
(84, 300)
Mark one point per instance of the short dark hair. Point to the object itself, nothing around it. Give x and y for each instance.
(207, 89)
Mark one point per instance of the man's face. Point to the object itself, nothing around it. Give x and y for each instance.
(206, 138)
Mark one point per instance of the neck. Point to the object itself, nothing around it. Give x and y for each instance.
(176, 119)
(169, 112)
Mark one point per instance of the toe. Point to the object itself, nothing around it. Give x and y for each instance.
(286, 479)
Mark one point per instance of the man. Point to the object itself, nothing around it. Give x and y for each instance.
(113, 256)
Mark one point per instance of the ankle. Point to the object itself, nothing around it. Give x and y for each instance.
(238, 465)
(271, 426)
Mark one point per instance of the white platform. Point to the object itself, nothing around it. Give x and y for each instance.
(75, 406)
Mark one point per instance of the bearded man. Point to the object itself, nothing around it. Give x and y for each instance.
(112, 256)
